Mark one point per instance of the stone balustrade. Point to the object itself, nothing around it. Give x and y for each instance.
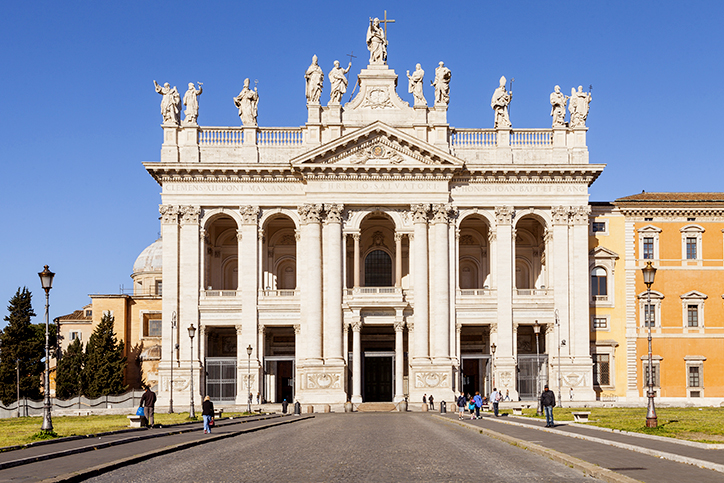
(221, 136)
(279, 136)
(473, 138)
(532, 138)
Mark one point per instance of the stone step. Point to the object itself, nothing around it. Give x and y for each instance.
(376, 407)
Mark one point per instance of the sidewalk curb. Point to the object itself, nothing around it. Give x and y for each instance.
(630, 447)
(106, 467)
(587, 468)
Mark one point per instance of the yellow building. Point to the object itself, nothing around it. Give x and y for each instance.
(682, 234)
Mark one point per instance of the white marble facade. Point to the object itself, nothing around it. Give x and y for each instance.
(370, 253)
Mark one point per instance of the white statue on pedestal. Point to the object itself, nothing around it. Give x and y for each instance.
(414, 85)
(442, 84)
(578, 107)
(558, 107)
(338, 82)
(376, 42)
(247, 102)
(499, 103)
(315, 82)
(170, 103)
(192, 103)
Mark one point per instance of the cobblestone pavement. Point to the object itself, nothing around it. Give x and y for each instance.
(375, 447)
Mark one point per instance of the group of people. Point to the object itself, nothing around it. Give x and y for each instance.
(473, 403)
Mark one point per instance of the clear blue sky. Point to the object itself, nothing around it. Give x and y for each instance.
(79, 113)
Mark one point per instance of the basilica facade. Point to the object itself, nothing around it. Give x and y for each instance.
(375, 253)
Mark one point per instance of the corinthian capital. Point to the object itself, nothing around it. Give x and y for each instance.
(190, 215)
(560, 215)
(169, 214)
(580, 214)
(310, 213)
(334, 212)
(503, 215)
(441, 212)
(249, 214)
(419, 212)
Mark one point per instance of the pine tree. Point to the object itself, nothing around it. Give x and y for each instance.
(105, 364)
(69, 375)
(20, 342)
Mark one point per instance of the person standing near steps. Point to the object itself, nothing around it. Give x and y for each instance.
(548, 401)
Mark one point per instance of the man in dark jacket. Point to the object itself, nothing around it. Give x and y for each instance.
(148, 401)
(548, 400)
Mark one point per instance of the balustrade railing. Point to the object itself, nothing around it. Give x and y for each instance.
(278, 293)
(531, 138)
(476, 292)
(374, 290)
(600, 298)
(219, 293)
(473, 138)
(533, 291)
(279, 136)
(221, 136)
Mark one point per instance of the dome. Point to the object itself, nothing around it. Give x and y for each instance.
(150, 259)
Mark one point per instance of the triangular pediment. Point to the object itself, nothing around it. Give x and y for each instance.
(603, 252)
(377, 146)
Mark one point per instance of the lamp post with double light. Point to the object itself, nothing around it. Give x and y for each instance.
(649, 272)
(192, 332)
(248, 378)
(493, 347)
(46, 281)
(536, 329)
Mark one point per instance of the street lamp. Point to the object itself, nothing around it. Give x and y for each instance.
(649, 273)
(560, 343)
(536, 329)
(173, 329)
(248, 378)
(46, 281)
(192, 332)
(493, 347)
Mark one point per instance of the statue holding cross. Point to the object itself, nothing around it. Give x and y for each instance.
(377, 40)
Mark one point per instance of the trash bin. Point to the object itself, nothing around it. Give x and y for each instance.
(443, 407)
(297, 409)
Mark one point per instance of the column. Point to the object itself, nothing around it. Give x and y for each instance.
(188, 290)
(202, 358)
(421, 311)
(311, 293)
(239, 251)
(333, 285)
(399, 357)
(398, 260)
(505, 363)
(440, 332)
(170, 235)
(260, 355)
(561, 285)
(249, 265)
(202, 259)
(355, 262)
(240, 368)
(344, 267)
(356, 360)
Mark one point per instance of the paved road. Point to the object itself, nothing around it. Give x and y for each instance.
(360, 447)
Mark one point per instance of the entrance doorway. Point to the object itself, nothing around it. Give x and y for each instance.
(278, 379)
(532, 375)
(378, 376)
(221, 378)
(475, 374)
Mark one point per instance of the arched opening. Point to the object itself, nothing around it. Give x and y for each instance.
(599, 282)
(221, 254)
(474, 253)
(279, 263)
(530, 254)
(378, 269)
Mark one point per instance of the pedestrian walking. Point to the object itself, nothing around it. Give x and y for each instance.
(471, 408)
(148, 401)
(258, 398)
(461, 405)
(495, 397)
(548, 400)
(207, 411)
(478, 404)
(507, 395)
(432, 403)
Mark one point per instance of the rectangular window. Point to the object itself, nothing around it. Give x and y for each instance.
(655, 372)
(88, 313)
(600, 323)
(159, 287)
(649, 315)
(598, 285)
(601, 369)
(154, 328)
(692, 315)
(649, 248)
(598, 226)
(691, 248)
(74, 335)
(694, 376)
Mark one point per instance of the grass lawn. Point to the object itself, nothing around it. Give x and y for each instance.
(705, 425)
(15, 431)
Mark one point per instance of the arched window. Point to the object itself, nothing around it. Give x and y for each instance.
(599, 282)
(378, 269)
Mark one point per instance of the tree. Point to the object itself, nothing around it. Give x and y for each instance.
(69, 372)
(21, 343)
(105, 364)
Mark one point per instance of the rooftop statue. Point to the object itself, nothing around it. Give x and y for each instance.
(376, 42)
(415, 85)
(338, 82)
(170, 103)
(558, 107)
(578, 107)
(500, 101)
(442, 84)
(192, 103)
(247, 101)
(315, 82)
